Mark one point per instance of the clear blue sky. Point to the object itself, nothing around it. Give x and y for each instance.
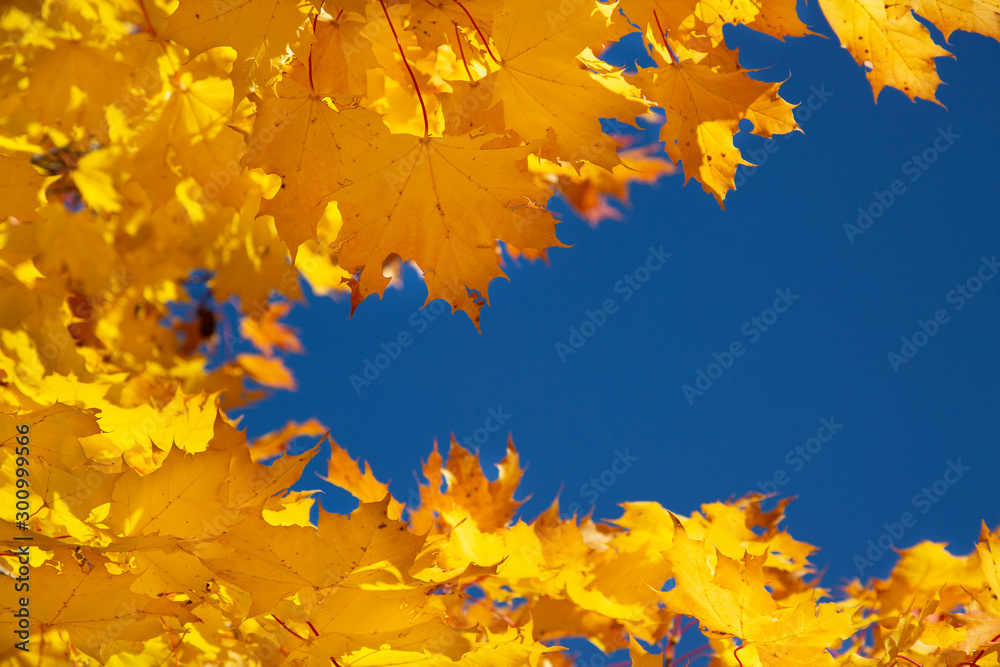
(824, 358)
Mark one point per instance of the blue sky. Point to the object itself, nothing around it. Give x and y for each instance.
(882, 432)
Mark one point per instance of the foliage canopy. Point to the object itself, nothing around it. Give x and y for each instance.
(257, 141)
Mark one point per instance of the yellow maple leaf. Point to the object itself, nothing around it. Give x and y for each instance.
(72, 81)
(341, 58)
(266, 331)
(366, 550)
(75, 594)
(56, 432)
(190, 496)
(270, 372)
(704, 108)
(312, 144)
(589, 188)
(345, 473)
(777, 18)
(95, 178)
(641, 657)
(276, 443)
(378, 628)
(982, 16)
(258, 30)
(21, 188)
(443, 203)
(189, 138)
(897, 49)
(731, 600)
(542, 89)
(927, 571)
(467, 492)
(989, 555)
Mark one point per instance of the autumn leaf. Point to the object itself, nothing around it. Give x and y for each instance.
(778, 19)
(338, 44)
(318, 141)
(467, 492)
(67, 64)
(75, 594)
(172, 499)
(21, 187)
(895, 47)
(270, 372)
(590, 188)
(731, 600)
(276, 443)
(58, 429)
(537, 83)
(407, 195)
(190, 135)
(93, 178)
(258, 30)
(346, 473)
(367, 550)
(268, 333)
(981, 16)
(704, 109)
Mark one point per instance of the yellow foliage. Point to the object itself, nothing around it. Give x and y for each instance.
(150, 149)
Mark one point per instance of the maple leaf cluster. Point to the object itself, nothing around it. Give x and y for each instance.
(151, 148)
(219, 133)
(208, 559)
